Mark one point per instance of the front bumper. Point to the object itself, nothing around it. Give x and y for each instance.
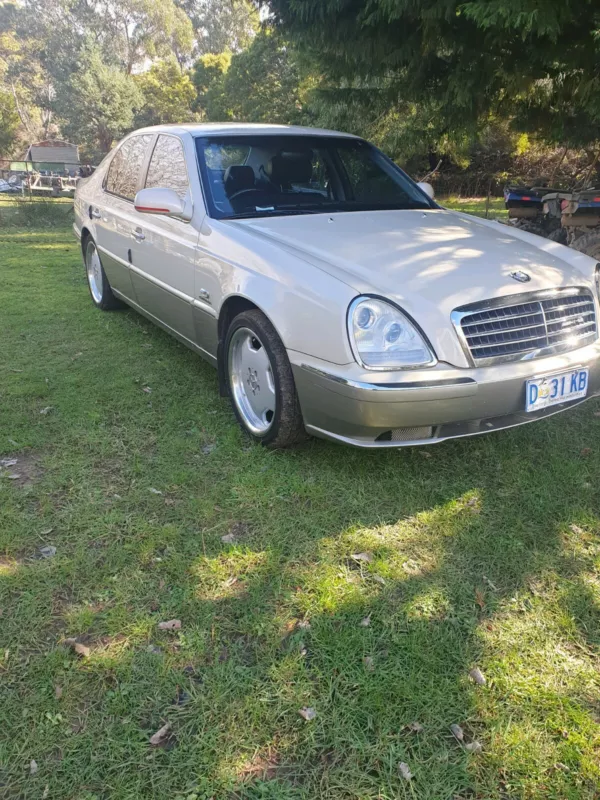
(394, 409)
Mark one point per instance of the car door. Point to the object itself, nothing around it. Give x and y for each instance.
(164, 248)
(113, 211)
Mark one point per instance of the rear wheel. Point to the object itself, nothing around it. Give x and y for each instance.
(98, 284)
(589, 244)
(261, 383)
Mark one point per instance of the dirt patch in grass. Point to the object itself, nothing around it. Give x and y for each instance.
(24, 471)
(263, 766)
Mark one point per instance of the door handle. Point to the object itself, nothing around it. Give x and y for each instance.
(95, 214)
(138, 234)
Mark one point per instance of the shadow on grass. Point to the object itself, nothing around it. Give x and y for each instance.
(482, 553)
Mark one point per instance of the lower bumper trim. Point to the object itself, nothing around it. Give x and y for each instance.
(451, 430)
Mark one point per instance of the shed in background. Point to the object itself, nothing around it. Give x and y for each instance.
(53, 155)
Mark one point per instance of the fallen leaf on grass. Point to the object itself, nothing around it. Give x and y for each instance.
(147, 390)
(369, 664)
(303, 625)
(81, 649)
(33, 767)
(307, 713)
(47, 410)
(46, 793)
(458, 732)
(170, 625)
(365, 622)
(230, 581)
(587, 451)
(404, 771)
(229, 538)
(161, 735)
(480, 598)
(366, 557)
(474, 747)
(47, 551)
(58, 692)
(14, 476)
(477, 675)
(154, 491)
(415, 727)
(378, 579)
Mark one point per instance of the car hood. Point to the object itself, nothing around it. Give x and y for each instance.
(429, 262)
(440, 256)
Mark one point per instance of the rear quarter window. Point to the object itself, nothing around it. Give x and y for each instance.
(124, 171)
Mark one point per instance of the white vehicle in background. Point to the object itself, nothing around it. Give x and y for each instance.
(332, 293)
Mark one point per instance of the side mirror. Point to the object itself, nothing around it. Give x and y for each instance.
(164, 202)
(427, 188)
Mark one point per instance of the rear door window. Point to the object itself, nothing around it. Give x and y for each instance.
(167, 167)
(125, 168)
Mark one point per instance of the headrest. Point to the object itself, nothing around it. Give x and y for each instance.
(237, 178)
(290, 168)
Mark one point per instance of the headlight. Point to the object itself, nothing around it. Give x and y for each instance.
(382, 337)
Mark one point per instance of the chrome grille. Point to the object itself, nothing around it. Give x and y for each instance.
(551, 322)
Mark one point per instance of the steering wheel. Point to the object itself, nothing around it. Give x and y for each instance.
(241, 192)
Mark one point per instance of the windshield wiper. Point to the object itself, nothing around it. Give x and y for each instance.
(271, 212)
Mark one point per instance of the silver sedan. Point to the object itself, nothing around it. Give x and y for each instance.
(332, 293)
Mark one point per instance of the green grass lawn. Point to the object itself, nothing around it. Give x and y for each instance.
(476, 206)
(484, 553)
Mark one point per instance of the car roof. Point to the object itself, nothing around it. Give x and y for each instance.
(242, 129)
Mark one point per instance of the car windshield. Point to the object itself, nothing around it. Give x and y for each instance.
(272, 175)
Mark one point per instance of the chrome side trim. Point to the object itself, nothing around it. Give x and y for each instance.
(517, 299)
(161, 284)
(208, 309)
(183, 339)
(388, 387)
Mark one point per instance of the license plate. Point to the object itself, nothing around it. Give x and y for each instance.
(550, 390)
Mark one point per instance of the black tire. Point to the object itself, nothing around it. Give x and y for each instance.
(100, 290)
(559, 235)
(589, 244)
(286, 428)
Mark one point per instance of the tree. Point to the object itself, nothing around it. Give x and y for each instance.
(222, 25)
(536, 62)
(263, 83)
(208, 77)
(9, 123)
(168, 94)
(97, 104)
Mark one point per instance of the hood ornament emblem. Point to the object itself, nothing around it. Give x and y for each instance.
(519, 275)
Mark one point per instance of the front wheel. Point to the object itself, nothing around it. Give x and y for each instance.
(261, 383)
(98, 284)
